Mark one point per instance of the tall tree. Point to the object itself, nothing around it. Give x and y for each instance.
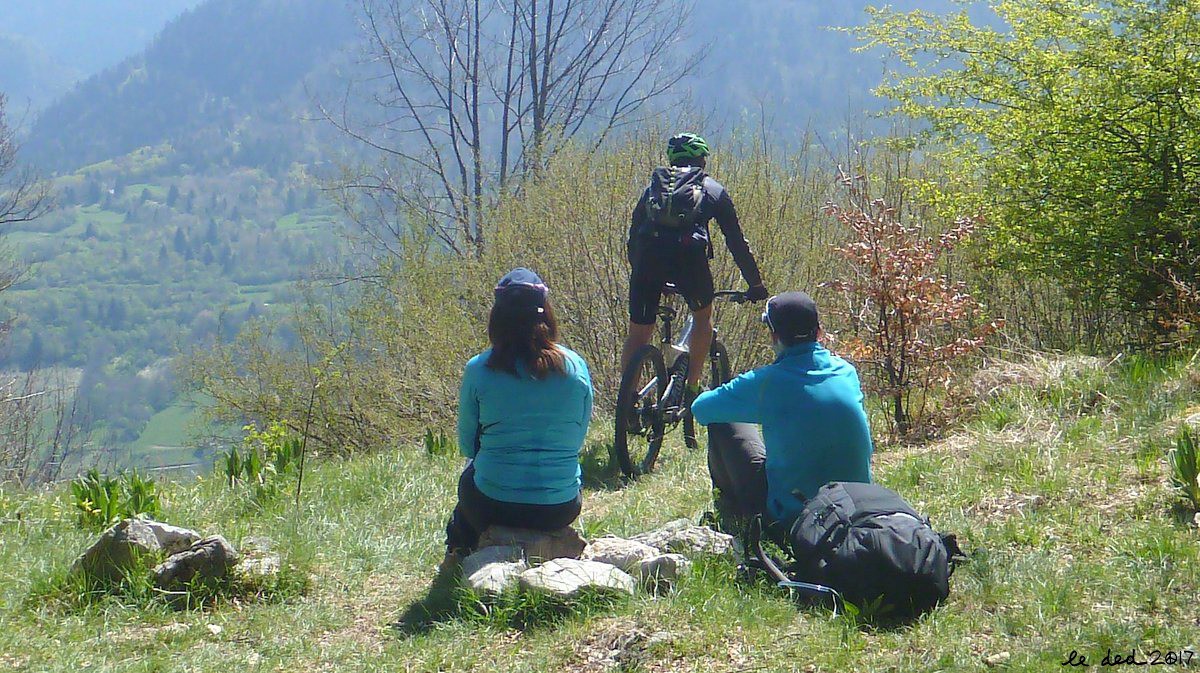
(23, 197)
(1082, 117)
(480, 93)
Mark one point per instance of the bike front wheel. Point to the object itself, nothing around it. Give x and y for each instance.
(718, 375)
(639, 421)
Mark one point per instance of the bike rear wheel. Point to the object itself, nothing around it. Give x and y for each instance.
(718, 375)
(639, 424)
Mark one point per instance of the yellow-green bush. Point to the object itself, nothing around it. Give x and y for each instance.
(386, 363)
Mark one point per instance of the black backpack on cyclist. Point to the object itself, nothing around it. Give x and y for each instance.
(866, 542)
(675, 197)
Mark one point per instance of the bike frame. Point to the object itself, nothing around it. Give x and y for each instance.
(647, 413)
(666, 318)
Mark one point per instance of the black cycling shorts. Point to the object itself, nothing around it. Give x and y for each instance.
(654, 266)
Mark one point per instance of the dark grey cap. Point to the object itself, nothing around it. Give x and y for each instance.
(792, 316)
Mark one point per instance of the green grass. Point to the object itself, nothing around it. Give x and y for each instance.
(1058, 491)
(295, 222)
(107, 222)
(156, 192)
(167, 428)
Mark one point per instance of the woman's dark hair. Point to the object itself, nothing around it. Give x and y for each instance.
(520, 332)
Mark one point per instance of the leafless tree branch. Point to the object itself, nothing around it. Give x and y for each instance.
(470, 97)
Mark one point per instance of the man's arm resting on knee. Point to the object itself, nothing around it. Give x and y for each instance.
(739, 401)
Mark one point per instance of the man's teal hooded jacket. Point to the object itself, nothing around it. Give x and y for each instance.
(810, 406)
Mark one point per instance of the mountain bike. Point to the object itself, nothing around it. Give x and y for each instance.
(649, 401)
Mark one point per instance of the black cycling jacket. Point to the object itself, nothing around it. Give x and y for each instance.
(717, 205)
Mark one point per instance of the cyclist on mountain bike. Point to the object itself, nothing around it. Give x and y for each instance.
(669, 242)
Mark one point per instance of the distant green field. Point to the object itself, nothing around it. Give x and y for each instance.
(166, 441)
(106, 221)
(18, 239)
(134, 191)
(308, 222)
(166, 429)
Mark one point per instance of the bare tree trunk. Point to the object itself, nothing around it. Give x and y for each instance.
(476, 135)
(506, 100)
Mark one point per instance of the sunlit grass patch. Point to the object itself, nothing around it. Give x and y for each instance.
(1066, 513)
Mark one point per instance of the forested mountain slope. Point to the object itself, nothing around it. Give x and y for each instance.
(184, 206)
(48, 45)
(224, 83)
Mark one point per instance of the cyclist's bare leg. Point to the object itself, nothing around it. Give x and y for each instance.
(699, 343)
(639, 335)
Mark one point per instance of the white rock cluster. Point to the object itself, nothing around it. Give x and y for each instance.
(180, 555)
(561, 566)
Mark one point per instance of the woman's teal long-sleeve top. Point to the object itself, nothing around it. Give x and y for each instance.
(525, 434)
(810, 406)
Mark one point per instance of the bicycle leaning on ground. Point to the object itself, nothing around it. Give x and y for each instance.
(650, 398)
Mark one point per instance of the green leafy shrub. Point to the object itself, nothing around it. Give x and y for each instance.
(103, 500)
(1185, 465)
(438, 444)
(141, 494)
(264, 458)
(1062, 183)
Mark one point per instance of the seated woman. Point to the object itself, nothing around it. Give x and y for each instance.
(523, 413)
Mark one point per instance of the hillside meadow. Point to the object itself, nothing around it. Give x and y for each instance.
(1057, 486)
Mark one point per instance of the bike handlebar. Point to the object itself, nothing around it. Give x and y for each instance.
(734, 296)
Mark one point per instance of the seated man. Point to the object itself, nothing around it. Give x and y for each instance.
(810, 407)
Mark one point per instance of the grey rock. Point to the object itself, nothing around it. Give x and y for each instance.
(489, 555)
(661, 572)
(683, 537)
(497, 577)
(259, 566)
(209, 559)
(118, 550)
(998, 659)
(257, 544)
(537, 545)
(172, 539)
(258, 560)
(619, 552)
(566, 578)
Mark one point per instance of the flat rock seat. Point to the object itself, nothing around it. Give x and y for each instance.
(536, 546)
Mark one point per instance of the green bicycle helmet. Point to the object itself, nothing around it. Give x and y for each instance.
(686, 146)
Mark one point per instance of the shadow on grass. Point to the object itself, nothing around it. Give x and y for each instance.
(440, 604)
(448, 600)
(600, 469)
(1184, 514)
